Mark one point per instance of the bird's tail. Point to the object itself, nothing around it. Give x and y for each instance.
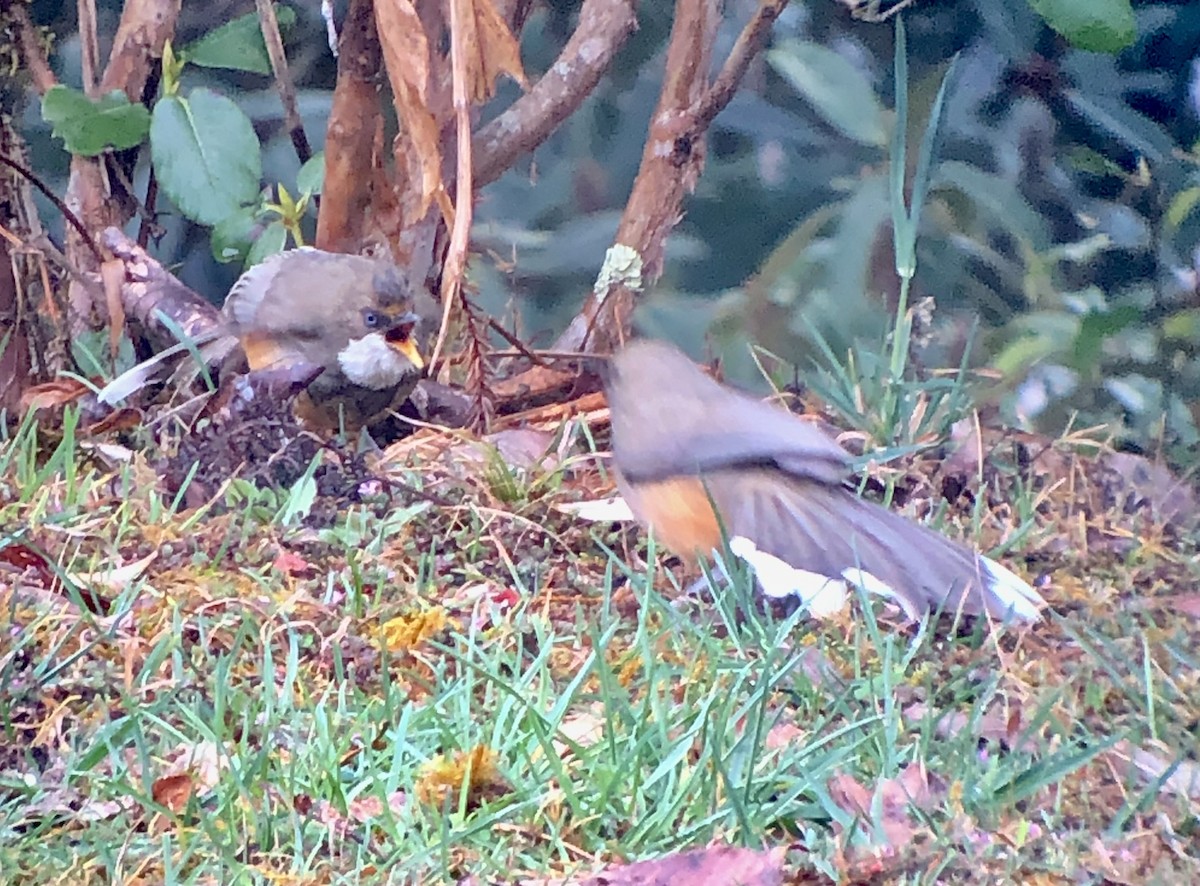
(828, 531)
(209, 346)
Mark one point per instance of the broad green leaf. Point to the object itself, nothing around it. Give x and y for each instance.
(88, 127)
(1098, 25)
(237, 45)
(836, 89)
(311, 177)
(206, 155)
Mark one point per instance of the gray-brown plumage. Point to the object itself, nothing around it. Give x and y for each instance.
(357, 318)
(682, 443)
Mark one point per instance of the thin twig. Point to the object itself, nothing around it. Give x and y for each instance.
(72, 219)
(269, 25)
(749, 43)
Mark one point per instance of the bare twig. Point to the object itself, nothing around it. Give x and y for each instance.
(460, 232)
(269, 25)
(71, 218)
(671, 164)
(749, 43)
(89, 44)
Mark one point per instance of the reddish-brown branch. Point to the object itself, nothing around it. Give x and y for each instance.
(671, 164)
(148, 288)
(671, 161)
(32, 53)
(137, 45)
(749, 43)
(71, 218)
(350, 135)
(603, 28)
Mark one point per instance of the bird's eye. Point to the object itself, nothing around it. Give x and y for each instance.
(372, 320)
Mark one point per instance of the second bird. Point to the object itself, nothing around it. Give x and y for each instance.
(693, 456)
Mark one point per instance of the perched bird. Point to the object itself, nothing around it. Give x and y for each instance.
(356, 318)
(683, 443)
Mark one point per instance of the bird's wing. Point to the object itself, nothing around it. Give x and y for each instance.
(658, 437)
(830, 531)
(331, 281)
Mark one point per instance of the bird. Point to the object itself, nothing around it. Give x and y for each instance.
(355, 317)
(702, 464)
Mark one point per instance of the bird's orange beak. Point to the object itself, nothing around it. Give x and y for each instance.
(400, 337)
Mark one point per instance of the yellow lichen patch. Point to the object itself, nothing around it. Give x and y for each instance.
(442, 779)
(406, 632)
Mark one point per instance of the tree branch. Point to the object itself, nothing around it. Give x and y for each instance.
(350, 135)
(603, 28)
(671, 164)
(749, 43)
(27, 41)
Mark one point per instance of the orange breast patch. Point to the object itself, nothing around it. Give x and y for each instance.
(679, 512)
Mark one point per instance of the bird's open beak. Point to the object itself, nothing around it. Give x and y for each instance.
(400, 338)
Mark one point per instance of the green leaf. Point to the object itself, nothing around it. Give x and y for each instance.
(311, 177)
(836, 89)
(238, 45)
(272, 240)
(1098, 25)
(1095, 328)
(1181, 206)
(233, 236)
(206, 155)
(89, 128)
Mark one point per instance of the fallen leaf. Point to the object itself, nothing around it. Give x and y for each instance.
(1152, 765)
(53, 393)
(292, 564)
(912, 787)
(173, 791)
(442, 779)
(115, 578)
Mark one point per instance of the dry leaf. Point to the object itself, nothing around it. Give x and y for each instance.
(406, 57)
(173, 791)
(490, 48)
(1184, 780)
(115, 578)
(406, 632)
(912, 787)
(52, 394)
(441, 780)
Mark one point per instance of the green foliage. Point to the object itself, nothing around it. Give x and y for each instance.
(1098, 25)
(206, 155)
(90, 128)
(238, 45)
(834, 86)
